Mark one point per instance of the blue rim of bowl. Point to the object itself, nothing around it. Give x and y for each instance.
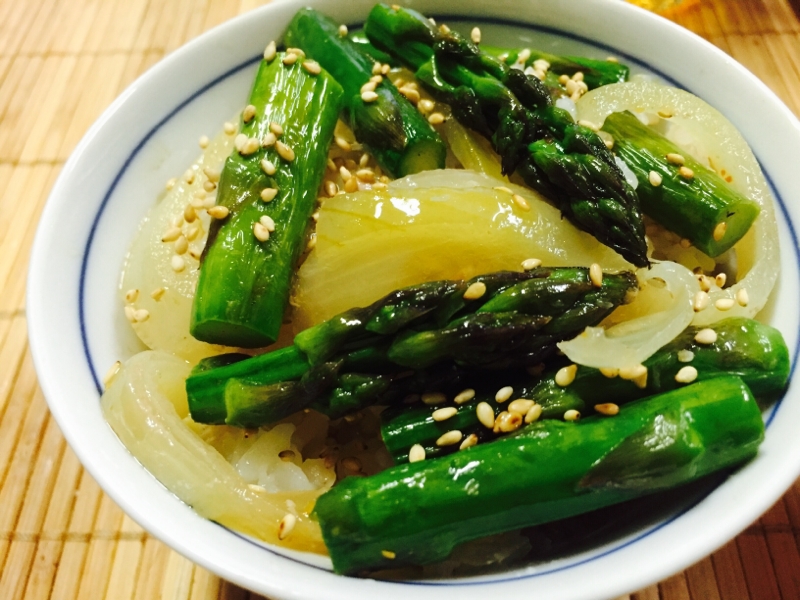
(451, 18)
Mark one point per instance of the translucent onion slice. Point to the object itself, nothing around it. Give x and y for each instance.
(146, 405)
(705, 133)
(633, 332)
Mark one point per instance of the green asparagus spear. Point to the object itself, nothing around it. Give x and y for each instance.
(693, 201)
(565, 161)
(399, 137)
(743, 347)
(548, 471)
(499, 320)
(360, 39)
(249, 259)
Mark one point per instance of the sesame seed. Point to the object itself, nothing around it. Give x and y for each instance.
(188, 176)
(520, 406)
(141, 315)
(675, 159)
(701, 301)
(111, 373)
(425, 105)
(470, 441)
(377, 78)
(189, 214)
(363, 161)
(369, 96)
(181, 245)
(249, 113)
(475, 35)
(286, 526)
(475, 291)
(521, 202)
(686, 173)
(665, 113)
(251, 146)
(351, 185)
(193, 231)
(376, 68)
(157, 294)
(312, 242)
(289, 59)
(541, 64)
(386, 68)
(433, 398)
(531, 263)
(344, 172)
(312, 67)
(342, 143)
(131, 296)
(588, 125)
(685, 356)
(563, 79)
(571, 86)
(379, 185)
(724, 304)
(331, 165)
(524, 55)
(485, 415)
(268, 166)
(566, 375)
(229, 128)
(443, 414)
(504, 394)
(632, 372)
(436, 118)
(284, 151)
(464, 396)
(609, 372)
(239, 141)
(286, 455)
(352, 464)
(742, 297)
(685, 243)
(572, 415)
(267, 222)
(388, 554)
(331, 189)
(209, 186)
(410, 93)
(130, 314)
(195, 254)
(608, 408)
(177, 263)
(218, 212)
(451, 437)
(612, 59)
(276, 128)
(507, 422)
(596, 275)
(686, 375)
(268, 194)
(171, 234)
(416, 453)
(534, 413)
(502, 188)
(366, 175)
(204, 141)
(655, 179)
(269, 140)
(261, 232)
(342, 30)
(444, 28)
(270, 51)
(171, 183)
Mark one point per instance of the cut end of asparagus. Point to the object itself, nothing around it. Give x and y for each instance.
(235, 334)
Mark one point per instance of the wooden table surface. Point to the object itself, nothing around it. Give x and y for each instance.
(61, 63)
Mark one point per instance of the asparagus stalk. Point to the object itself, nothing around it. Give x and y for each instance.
(400, 138)
(566, 162)
(547, 471)
(498, 320)
(246, 270)
(743, 347)
(686, 196)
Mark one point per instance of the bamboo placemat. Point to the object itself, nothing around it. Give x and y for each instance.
(61, 63)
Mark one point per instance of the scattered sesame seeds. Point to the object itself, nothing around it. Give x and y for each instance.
(442, 414)
(609, 372)
(141, 315)
(388, 554)
(588, 125)
(249, 113)
(433, 398)
(475, 35)
(451, 437)
(411, 94)
(724, 304)
(250, 146)
(485, 415)
(475, 291)
(376, 68)
(504, 394)
(269, 140)
(157, 294)
(286, 525)
(721, 279)
(177, 263)
(572, 415)
(345, 173)
(284, 151)
(286, 455)
(701, 301)
(276, 128)
(351, 185)
(608, 409)
(267, 222)
(524, 55)
(363, 161)
(268, 194)
(655, 179)
(719, 231)
(531, 263)
(261, 232)
(270, 51)
(632, 372)
(685, 356)
(171, 183)
(268, 166)
(312, 67)
(204, 141)
(502, 188)
(218, 212)
(521, 202)
(366, 175)
(130, 314)
(686, 375)
(665, 113)
(289, 58)
(131, 296)
(351, 464)
(469, 441)
(111, 373)
(331, 189)
(229, 128)
(436, 118)
(686, 172)
(342, 30)
(209, 186)
(566, 375)
(612, 59)
(507, 422)
(675, 159)
(596, 275)
(534, 413)
(520, 406)
(189, 214)
(464, 396)
(742, 297)
(425, 105)
(369, 96)
(376, 78)
(563, 79)
(181, 245)
(343, 143)
(188, 176)
(416, 453)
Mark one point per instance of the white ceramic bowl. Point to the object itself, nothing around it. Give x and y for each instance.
(149, 134)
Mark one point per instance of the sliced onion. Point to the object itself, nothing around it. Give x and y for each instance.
(633, 332)
(146, 405)
(708, 135)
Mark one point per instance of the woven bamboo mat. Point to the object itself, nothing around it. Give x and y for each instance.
(61, 63)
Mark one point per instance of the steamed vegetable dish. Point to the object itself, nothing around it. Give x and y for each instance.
(429, 291)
